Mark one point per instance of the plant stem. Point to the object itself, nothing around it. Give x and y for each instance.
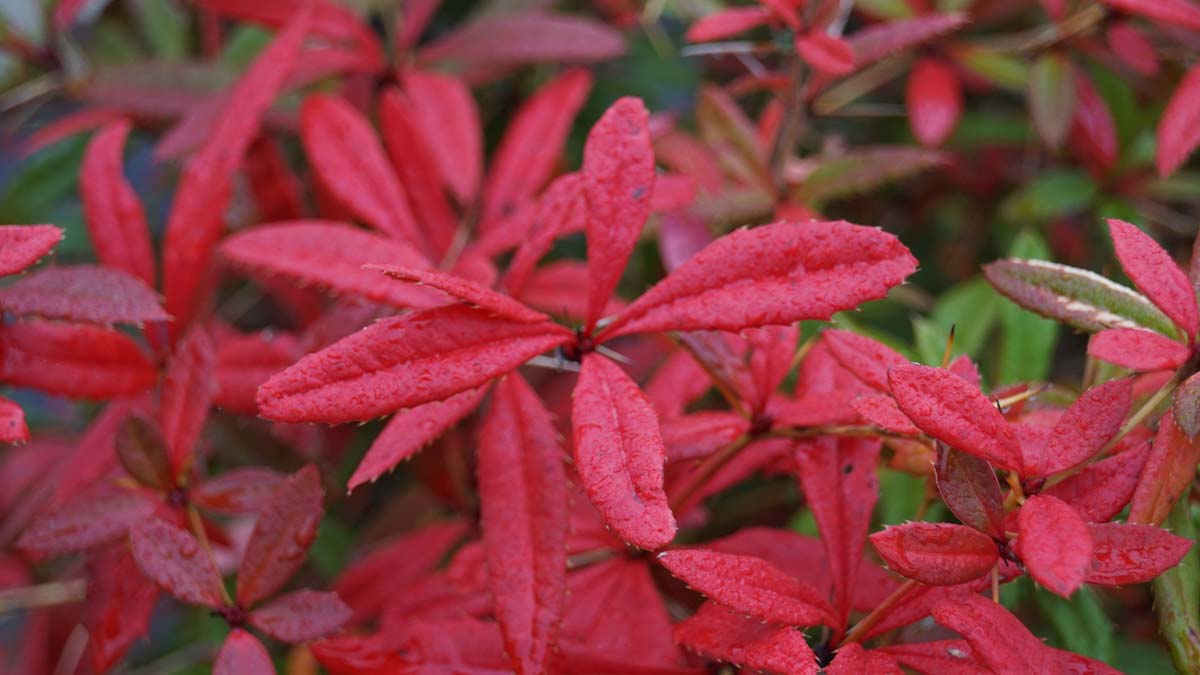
(870, 620)
(42, 595)
(795, 118)
(710, 466)
(202, 537)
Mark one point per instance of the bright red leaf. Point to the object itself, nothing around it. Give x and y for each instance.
(301, 616)
(1132, 554)
(719, 633)
(1084, 428)
(998, 639)
(77, 361)
(494, 304)
(188, 389)
(825, 53)
(868, 359)
(446, 114)
(1054, 543)
(1155, 274)
(286, 527)
(726, 23)
(115, 220)
(1168, 472)
(937, 554)
(175, 560)
(1137, 349)
(22, 246)
(83, 293)
(934, 101)
(243, 654)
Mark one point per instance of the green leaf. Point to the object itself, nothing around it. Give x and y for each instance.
(1052, 97)
(862, 170)
(1177, 596)
(900, 496)
(1002, 70)
(44, 181)
(1080, 624)
(165, 26)
(1027, 340)
(1049, 196)
(970, 308)
(331, 550)
(1074, 296)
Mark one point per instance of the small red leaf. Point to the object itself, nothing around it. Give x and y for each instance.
(868, 359)
(95, 516)
(748, 586)
(243, 654)
(237, 491)
(1099, 491)
(700, 434)
(329, 19)
(939, 657)
(275, 186)
(285, 529)
(1168, 472)
(518, 38)
(721, 634)
(188, 390)
(244, 362)
(120, 602)
(1136, 349)
(77, 361)
(970, 490)
(1179, 129)
(1131, 46)
(83, 293)
(1132, 554)
(726, 23)
(881, 410)
(301, 616)
(946, 407)
(175, 560)
(523, 495)
(773, 274)
(883, 39)
(446, 114)
(618, 172)
(1084, 428)
(22, 246)
(494, 304)
(998, 639)
(13, 428)
(619, 454)
(404, 361)
(937, 554)
(934, 101)
(1093, 131)
(559, 211)
(852, 659)
(825, 53)
(1155, 273)
(1054, 543)
(115, 219)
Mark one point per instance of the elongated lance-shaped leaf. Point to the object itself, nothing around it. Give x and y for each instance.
(98, 515)
(115, 219)
(1177, 596)
(445, 112)
(1084, 428)
(84, 293)
(721, 634)
(868, 359)
(301, 616)
(934, 101)
(330, 19)
(619, 454)
(79, 361)
(22, 245)
(969, 488)
(998, 639)
(1168, 473)
(1156, 275)
(523, 501)
(236, 492)
(188, 390)
(726, 23)
(936, 554)
(1099, 491)
(285, 529)
(883, 39)
(1125, 553)
(1137, 349)
(1052, 96)
(1082, 299)
(517, 38)
(1179, 129)
(174, 560)
(477, 295)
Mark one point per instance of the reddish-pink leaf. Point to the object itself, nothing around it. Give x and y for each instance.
(937, 554)
(1131, 46)
(560, 210)
(970, 490)
(1054, 543)
(22, 245)
(120, 602)
(619, 454)
(748, 586)
(1182, 13)
(998, 639)
(243, 654)
(1168, 472)
(1093, 131)
(409, 431)
(1137, 349)
(881, 410)
(175, 561)
(880, 40)
(825, 53)
(95, 516)
(446, 115)
(69, 125)
(1155, 273)
(1099, 491)
(476, 295)
(518, 38)
(773, 274)
(329, 256)
(701, 434)
(523, 504)
(83, 293)
(946, 407)
(188, 389)
(329, 19)
(301, 616)
(404, 361)
(852, 659)
(532, 144)
(78, 361)
(1132, 554)
(143, 453)
(618, 172)
(721, 634)
(347, 156)
(940, 657)
(841, 487)
(1179, 129)
(286, 527)
(115, 220)
(934, 101)
(868, 359)
(237, 491)
(1084, 428)
(275, 186)
(244, 362)
(726, 23)
(12, 423)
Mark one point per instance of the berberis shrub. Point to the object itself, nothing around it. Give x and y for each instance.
(470, 338)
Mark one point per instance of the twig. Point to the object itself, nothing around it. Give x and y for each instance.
(42, 595)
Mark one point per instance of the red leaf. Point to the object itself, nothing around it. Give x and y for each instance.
(940, 657)
(937, 554)
(188, 389)
(330, 256)
(175, 560)
(1099, 491)
(726, 23)
(69, 125)
(1179, 128)
(559, 211)
(881, 410)
(521, 38)
(880, 40)
(409, 431)
(1155, 274)
(275, 187)
(970, 490)
(852, 659)
(347, 156)
(285, 529)
(243, 654)
(301, 616)
(143, 453)
(115, 220)
(700, 434)
(1084, 428)
(619, 454)
(946, 407)
(1182, 13)
(22, 246)
(1136, 349)
(404, 361)
(120, 602)
(841, 487)
(1093, 131)
(748, 586)
(1132, 554)
(445, 112)
(618, 171)
(1054, 543)
(244, 362)
(721, 634)
(485, 299)
(1131, 46)
(868, 359)
(825, 53)
(934, 100)
(95, 516)
(523, 495)
(83, 293)
(998, 639)
(1169, 470)
(12, 423)
(237, 491)
(532, 144)
(773, 274)
(329, 19)
(77, 361)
